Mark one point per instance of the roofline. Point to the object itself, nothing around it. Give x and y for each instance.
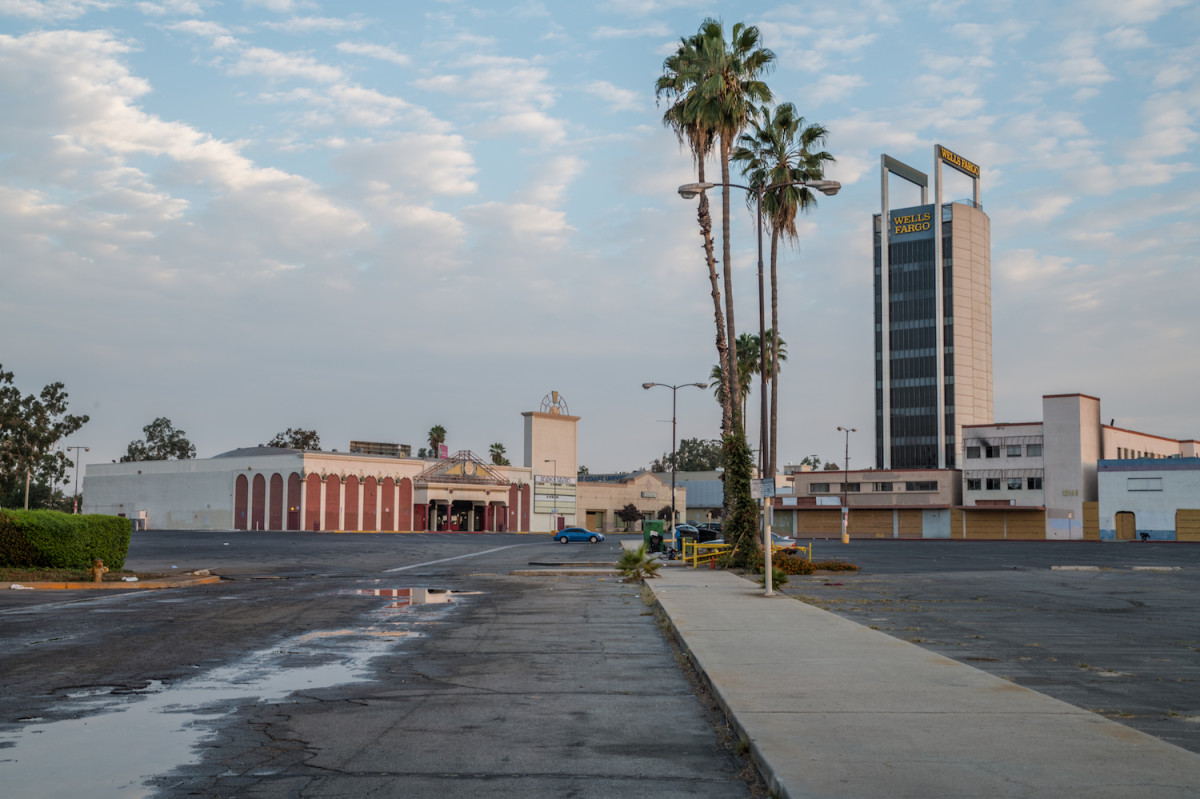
(1063, 396)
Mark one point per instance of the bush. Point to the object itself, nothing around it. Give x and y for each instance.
(789, 563)
(636, 564)
(47, 539)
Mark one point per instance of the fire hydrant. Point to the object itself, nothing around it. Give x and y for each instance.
(98, 570)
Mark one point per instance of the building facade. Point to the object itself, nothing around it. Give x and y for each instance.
(1149, 499)
(933, 321)
(1053, 464)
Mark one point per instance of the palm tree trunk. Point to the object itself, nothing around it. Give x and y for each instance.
(734, 389)
(705, 219)
(774, 352)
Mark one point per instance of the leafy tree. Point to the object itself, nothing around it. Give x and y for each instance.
(692, 455)
(296, 439)
(162, 443)
(30, 428)
(497, 452)
(437, 437)
(664, 513)
(582, 470)
(629, 514)
(422, 452)
(831, 467)
(781, 149)
(740, 524)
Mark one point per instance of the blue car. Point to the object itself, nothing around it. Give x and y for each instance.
(577, 534)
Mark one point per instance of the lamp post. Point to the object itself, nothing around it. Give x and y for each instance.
(554, 487)
(845, 479)
(674, 389)
(826, 187)
(76, 497)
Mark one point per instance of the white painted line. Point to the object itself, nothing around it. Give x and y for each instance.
(1075, 568)
(1156, 568)
(456, 557)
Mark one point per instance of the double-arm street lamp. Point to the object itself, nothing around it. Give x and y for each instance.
(674, 389)
(826, 187)
(846, 479)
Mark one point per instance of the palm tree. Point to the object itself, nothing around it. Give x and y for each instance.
(782, 148)
(688, 116)
(749, 365)
(437, 437)
(497, 453)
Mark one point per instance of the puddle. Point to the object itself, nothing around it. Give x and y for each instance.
(129, 735)
(414, 596)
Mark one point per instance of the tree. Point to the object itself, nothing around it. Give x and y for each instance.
(162, 443)
(811, 460)
(437, 437)
(781, 149)
(30, 428)
(692, 455)
(582, 470)
(422, 452)
(690, 116)
(629, 514)
(296, 439)
(831, 467)
(497, 452)
(664, 513)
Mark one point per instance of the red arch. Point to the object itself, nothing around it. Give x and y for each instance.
(275, 517)
(258, 503)
(370, 495)
(351, 503)
(241, 492)
(389, 504)
(312, 499)
(525, 492)
(293, 502)
(333, 502)
(404, 506)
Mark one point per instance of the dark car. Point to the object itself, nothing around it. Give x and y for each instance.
(713, 526)
(577, 534)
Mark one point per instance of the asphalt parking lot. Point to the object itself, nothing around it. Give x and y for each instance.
(1115, 629)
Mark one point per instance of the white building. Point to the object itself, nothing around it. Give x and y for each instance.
(1150, 499)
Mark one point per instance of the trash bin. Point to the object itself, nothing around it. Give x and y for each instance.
(651, 526)
(656, 542)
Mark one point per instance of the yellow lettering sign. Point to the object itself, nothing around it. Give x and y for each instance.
(911, 223)
(958, 161)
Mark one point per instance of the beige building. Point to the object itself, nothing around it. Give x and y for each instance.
(1051, 465)
(602, 495)
(933, 320)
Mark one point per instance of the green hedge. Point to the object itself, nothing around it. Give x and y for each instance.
(47, 539)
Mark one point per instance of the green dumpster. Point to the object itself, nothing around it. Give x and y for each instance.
(650, 526)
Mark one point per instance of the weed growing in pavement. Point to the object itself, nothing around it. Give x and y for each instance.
(636, 564)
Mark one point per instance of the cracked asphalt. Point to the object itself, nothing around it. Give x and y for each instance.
(531, 687)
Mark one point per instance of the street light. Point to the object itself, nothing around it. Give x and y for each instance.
(845, 479)
(674, 389)
(554, 487)
(827, 187)
(76, 497)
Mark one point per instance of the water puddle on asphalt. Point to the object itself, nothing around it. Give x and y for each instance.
(126, 736)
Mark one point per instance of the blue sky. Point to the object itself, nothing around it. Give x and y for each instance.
(371, 218)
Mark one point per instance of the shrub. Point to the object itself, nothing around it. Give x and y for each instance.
(789, 563)
(47, 539)
(635, 564)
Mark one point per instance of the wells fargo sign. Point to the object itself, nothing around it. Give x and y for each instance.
(912, 223)
(958, 162)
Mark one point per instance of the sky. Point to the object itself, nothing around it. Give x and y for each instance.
(368, 219)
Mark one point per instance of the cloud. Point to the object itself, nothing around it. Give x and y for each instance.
(608, 32)
(377, 51)
(276, 65)
(51, 10)
(415, 165)
(831, 87)
(617, 99)
(165, 7)
(316, 24)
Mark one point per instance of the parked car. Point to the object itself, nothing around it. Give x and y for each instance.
(711, 526)
(577, 534)
(782, 540)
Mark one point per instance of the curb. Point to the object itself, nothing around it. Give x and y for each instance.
(609, 572)
(170, 582)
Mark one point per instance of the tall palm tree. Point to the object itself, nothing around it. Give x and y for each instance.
(497, 452)
(715, 84)
(437, 436)
(688, 116)
(781, 148)
(749, 365)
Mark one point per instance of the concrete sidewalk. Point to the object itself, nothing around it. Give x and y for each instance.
(834, 709)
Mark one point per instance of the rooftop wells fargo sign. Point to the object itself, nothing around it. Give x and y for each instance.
(958, 162)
